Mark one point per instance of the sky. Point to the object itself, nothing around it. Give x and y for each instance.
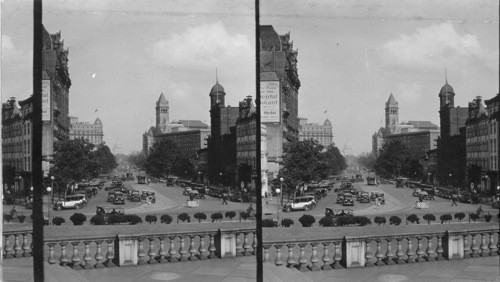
(353, 54)
(123, 54)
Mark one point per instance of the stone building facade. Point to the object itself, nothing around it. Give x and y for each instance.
(418, 143)
(323, 133)
(91, 132)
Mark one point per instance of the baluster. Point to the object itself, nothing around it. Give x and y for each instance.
(467, 247)
(430, 251)
(498, 242)
(110, 255)
(266, 253)
(491, 246)
(474, 247)
(239, 245)
(26, 246)
(439, 249)
(389, 255)
(338, 256)
(7, 248)
(484, 247)
(172, 252)
(87, 258)
(152, 252)
(17, 247)
(409, 251)
(182, 249)
(254, 243)
(52, 259)
(420, 250)
(202, 250)
(399, 251)
(368, 253)
(162, 252)
(99, 257)
(246, 244)
(140, 252)
(302, 258)
(278, 261)
(75, 259)
(192, 249)
(314, 258)
(211, 247)
(64, 259)
(326, 258)
(379, 255)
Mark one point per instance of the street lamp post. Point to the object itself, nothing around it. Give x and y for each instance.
(278, 191)
(450, 178)
(49, 189)
(281, 188)
(199, 177)
(429, 178)
(220, 178)
(52, 178)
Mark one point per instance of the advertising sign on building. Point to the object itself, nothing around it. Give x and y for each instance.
(269, 101)
(45, 100)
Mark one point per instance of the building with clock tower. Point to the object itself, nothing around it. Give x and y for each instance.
(392, 115)
(162, 114)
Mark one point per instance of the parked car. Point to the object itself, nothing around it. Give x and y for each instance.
(300, 203)
(135, 196)
(377, 195)
(196, 195)
(348, 201)
(401, 182)
(119, 198)
(363, 195)
(111, 196)
(338, 212)
(75, 201)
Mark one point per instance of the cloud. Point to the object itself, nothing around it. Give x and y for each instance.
(437, 45)
(9, 50)
(204, 46)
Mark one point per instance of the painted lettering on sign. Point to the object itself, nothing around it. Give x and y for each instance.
(46, 116)
(269, 101)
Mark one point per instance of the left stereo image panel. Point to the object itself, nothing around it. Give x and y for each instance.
(142, 119)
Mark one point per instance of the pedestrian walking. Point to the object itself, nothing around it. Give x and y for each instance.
(224, 199)
(453, 201)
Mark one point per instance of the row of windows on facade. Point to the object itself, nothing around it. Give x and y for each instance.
(483, 162)
(482, 129)
(482, 147)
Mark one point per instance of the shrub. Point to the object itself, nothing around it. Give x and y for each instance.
(245, 215)
(78, 218)
(150, 218)
(345, 220)
(429, 217)
(8, 217)
(167, 219)
(216, 216)
(116, 219)
(413, 218)
(184, 217)
(21, 218)
(474, 216)
(268, 222)
(362, 220)
(487, 217)
(379, 220)
(59, 220)
(327, 221)
(395, 220)
(95, 220)
(445, 217)
(286, 222)
(230, 214)
(200, 216)
(459, 216)
(133, 219)
(307, 220)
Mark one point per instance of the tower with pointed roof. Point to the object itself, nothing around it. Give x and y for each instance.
(162, 114)
(217, 94)
(446, 95)
(391, 115)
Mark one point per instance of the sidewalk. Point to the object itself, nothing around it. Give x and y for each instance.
(244, 269)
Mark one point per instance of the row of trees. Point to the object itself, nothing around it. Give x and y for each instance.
(306, 161)
(77, 160)
(164, 159)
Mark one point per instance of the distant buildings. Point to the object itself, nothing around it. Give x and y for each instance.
(91, 132)
(323, 133)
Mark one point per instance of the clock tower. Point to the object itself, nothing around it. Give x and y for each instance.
(391, 115)
(162, 114)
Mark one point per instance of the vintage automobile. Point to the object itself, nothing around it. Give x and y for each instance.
(300, 203)
(135, 196)
(75, 201)
(363, 195)
(371, 181)
(119, 198)
(401, 182)
(145, 195)
(377, 195)
(111, 196)
(186, 191)
(348, 201)
(194, 194)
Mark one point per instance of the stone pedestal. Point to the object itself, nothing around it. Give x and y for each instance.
(353, 252)
(453, 246)
(126, 251)
(225, 244)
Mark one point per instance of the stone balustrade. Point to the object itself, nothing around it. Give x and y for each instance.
(124, 250)
(364, 251)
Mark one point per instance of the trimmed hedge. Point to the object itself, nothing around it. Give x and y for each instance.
(244, 215)
(380, 220)
(96, 220)
(167, 219)
(133, 219)
(445, 217)
(184, 217)
(459, 216)
(286, 222)
(200, 216)
(78, 218)
(327, 221)
(394, 220)
(413, 218)
(268, 222)
(429, 217)
(216, 217)
(307, 220)
(59, 220)
(474, 216)
(487, 217)
(230, 214)
(150, 218)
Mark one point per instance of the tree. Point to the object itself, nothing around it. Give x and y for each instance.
(161, 158)
(139, 160)
(367, 160)
(392, 156)
(105, 159)
(334, 161)
(73, 161)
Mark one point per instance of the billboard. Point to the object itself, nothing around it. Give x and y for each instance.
(270, 101)
(46, 112)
